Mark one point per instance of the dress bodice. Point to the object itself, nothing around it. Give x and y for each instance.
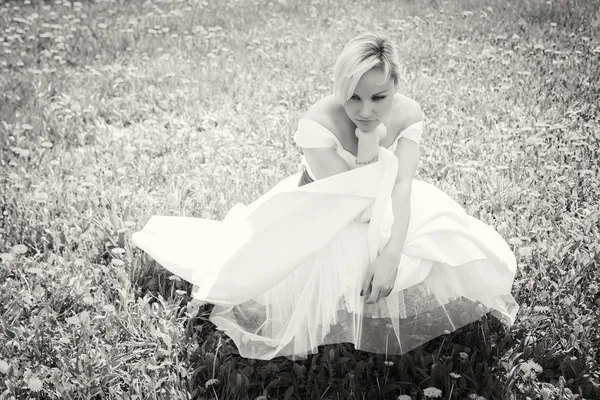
(311, 134)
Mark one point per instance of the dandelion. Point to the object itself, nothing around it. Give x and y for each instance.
(34, 384)
(531, 368)
(19, 249)
(3, 366)
(454, 375)
(404, 397)
(526, 251)
(463, 355)
(432, 392)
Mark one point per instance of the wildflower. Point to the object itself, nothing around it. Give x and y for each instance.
(388, 363)
(34, 384)
(474, 396)
(432, 392)
(463, 355)
(531, 368)
(211, 382)
(541, 308)
(404, 397)
(454, 375)
(532, 365)
(3, 366)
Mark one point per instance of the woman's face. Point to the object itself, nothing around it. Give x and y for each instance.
(371, 103)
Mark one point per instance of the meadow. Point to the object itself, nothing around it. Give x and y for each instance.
(113, 111)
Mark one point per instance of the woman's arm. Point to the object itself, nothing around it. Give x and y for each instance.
(382, 273)
(408, 153)
(326, 162)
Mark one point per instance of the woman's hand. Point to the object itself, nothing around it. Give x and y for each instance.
(380, 278)
(380, 132)
(368, 143)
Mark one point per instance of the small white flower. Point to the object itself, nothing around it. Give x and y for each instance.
(475, 396)
(531, 368)
(454, 375)
(432, 392)
(535, 366)
(34, 384)
(541, 309)
(404, 397)
(211, 382)
(463, 355)
(3, 366)
(388, 363)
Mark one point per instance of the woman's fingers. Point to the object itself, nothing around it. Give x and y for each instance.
(366, 284)
(376, 292)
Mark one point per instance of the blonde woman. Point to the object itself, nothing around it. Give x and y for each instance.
(353, 249)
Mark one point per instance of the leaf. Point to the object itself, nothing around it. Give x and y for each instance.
(288, 393)
(515, 241)
(109, 308)
(299, 370)
(84, 317)
(20, 152)
(117, 263)
(34, 270)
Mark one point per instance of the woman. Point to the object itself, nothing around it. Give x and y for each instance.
(354, 249)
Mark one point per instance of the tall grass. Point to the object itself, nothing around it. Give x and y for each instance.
(111, 112)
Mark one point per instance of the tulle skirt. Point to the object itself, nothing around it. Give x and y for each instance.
(454, 270)
(320, 303)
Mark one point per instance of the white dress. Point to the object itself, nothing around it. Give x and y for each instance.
(285, 273)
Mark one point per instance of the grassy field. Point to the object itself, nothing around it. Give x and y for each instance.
(113, 111)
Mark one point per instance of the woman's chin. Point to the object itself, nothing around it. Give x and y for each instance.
(367, 126)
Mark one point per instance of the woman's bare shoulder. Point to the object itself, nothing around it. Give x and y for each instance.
(326, 113)
(405, 112)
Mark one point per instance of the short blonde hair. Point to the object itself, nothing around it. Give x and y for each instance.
(361, 54)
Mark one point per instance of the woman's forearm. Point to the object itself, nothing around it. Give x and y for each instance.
(368, 148)
(401, 209)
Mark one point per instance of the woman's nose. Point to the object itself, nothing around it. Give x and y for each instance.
(366, 109)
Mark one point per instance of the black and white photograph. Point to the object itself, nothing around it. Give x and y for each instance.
(286, 199)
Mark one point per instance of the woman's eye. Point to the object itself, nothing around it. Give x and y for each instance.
(354, 97)
(377, 98)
